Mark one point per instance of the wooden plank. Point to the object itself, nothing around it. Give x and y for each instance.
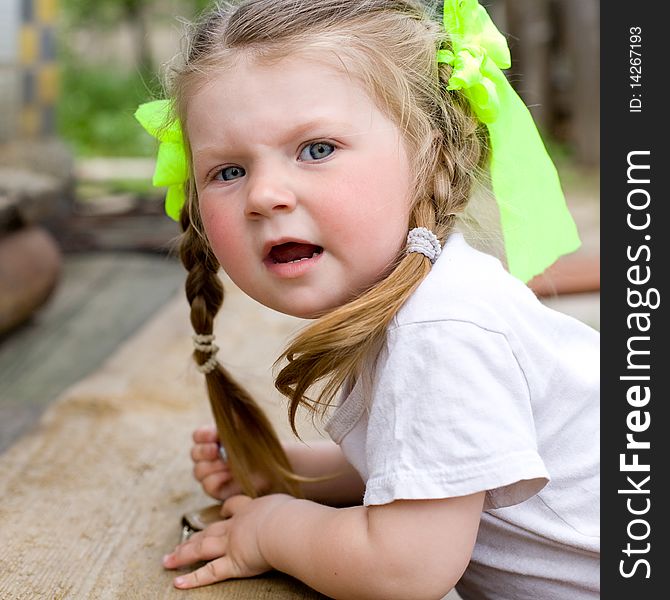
(92, 498)
(100, 301)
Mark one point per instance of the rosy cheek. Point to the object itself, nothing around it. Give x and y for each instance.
(223, 237)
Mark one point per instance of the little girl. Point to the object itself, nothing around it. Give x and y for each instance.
(321, 152)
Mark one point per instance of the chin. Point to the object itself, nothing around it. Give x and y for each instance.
(306, 309)
(303, 312)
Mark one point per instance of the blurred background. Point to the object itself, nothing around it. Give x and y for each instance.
(85, 248)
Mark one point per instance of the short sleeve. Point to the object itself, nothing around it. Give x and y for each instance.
(450, 415)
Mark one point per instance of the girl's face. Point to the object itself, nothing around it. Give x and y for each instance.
(303, 184)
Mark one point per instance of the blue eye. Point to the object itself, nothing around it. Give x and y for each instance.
(230, 173)
(316, 151)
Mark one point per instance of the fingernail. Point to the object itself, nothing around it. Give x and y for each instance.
(166, 558)
(179, 581)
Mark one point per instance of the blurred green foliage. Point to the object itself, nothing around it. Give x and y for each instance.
(102, 12)
(108, 13)
(95, 111)
(97, 101)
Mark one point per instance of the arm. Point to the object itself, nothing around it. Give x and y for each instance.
(409, 549)
(314, 460)
(326, 458)
(406, 549)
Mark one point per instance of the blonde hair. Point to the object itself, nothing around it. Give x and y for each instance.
(390, 46)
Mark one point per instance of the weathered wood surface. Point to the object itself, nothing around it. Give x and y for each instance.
(92, 498)
(101, 300)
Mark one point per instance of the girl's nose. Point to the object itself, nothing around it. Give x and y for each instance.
(268, 194)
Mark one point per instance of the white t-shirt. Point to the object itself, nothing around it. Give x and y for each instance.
(480, 387)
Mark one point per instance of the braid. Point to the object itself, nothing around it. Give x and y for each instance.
(204, 290)
(249, 438)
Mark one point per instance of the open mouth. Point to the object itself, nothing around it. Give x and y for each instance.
(293, 252)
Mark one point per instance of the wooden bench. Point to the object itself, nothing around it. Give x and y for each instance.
(92, 498)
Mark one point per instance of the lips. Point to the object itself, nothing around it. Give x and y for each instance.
(291, 252)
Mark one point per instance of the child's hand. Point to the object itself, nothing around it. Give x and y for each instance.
(211, 471)
(231, 545)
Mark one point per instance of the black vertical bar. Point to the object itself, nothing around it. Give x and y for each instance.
(634, 251)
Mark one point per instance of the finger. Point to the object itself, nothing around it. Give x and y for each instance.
(233, 505)
(216, 570)
(226, 490)
(217, 528)
(204, 468)
(220, 487)
(203, 545)
(205, 435)
(203, 471)
(205, 451)
(176, 558)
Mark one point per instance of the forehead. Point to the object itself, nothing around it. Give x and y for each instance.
(308, 86)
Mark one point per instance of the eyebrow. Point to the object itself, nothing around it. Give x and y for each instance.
(298, 130)
(316, 123)
(323, 122)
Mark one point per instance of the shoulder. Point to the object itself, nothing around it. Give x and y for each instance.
(467, 285)
(469, 304)
(457, 327)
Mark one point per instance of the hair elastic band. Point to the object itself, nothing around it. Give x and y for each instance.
(203, 343)
(208, 366)
(424, 242)
(199, 338)
(207, 348)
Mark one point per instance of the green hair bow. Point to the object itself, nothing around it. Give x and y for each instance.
(171, 168)
(536, 224)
